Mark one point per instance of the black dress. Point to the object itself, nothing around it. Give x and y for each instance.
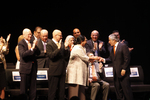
(2, 76)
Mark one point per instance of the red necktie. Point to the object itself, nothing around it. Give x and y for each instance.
(94, 73)
(114, 50)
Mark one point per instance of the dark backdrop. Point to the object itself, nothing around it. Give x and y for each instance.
(131, 18)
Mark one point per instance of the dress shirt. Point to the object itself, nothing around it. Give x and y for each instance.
(55, 41)
(116, 45)
(91, 74)
(27, 44)
(35, 37)
(44, 42)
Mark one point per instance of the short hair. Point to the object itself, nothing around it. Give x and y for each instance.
(114, 31)
(55, 32)
(68, 37)
(44, 30)
(36, 28)
(80, 39)
(114, 37)
(25, 30)
(76, 29)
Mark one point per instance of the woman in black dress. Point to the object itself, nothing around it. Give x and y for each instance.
(3, 51)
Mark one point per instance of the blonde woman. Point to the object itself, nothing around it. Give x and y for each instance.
(17, 52)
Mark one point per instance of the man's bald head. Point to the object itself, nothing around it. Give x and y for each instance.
(95, 31)
(57, 35)
(44, 35)
(27, 34)
(94, 35)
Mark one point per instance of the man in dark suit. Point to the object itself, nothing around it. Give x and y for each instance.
(28, 64)
(57, 53)
(36, 34)
(42, 59)
(116, 32)
(120, 58)
(94, 45)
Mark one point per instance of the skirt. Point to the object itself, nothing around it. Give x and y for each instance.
(2, 76)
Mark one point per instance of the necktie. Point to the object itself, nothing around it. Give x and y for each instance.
(114, 49)
(29, 45)
(96, 50)
(57, 44)
(44, 46)
(94, 73)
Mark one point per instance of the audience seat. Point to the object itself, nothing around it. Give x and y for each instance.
(137, 80)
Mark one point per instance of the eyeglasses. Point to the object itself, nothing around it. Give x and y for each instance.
(59, 35)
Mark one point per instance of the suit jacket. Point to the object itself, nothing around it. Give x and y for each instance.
(42, 59)
(89, 47)
(57, 64)
(32, 39)
(27, 57)
(120, 60)
(77, 66)
(109, 47)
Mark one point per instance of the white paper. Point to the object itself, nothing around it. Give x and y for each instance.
(42, 75)
(16, 76)
(134, 72)
(108, 72)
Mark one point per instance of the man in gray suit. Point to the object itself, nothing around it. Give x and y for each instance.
(42, 59)
(120, 57)
(94, 70)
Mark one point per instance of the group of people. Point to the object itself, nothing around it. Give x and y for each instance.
(77, 62)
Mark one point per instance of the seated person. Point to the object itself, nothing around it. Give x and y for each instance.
(94, 70)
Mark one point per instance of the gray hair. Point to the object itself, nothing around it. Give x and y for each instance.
(68, 37)
(114, 37)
